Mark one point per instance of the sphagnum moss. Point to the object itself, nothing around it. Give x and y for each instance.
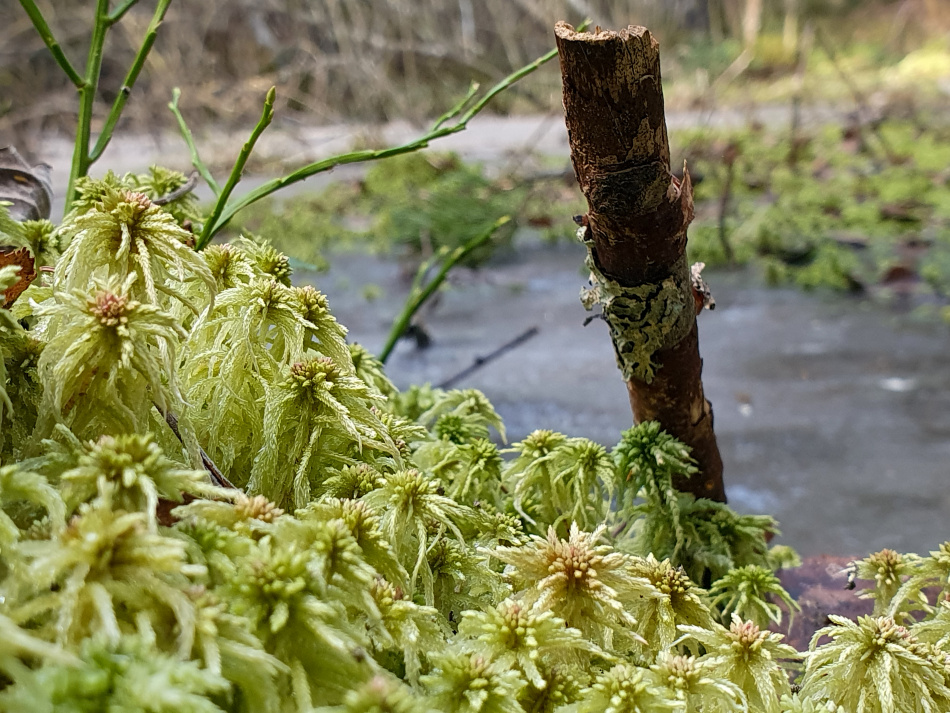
(380, 553)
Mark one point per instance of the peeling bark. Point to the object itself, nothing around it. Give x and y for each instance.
(635, 228)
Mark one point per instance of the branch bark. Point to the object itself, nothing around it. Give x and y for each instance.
(635, 230)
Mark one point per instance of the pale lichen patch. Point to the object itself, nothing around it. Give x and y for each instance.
(643, 319)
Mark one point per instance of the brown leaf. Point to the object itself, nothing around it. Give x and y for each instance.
(21, 257)
(899, 273)
(906, 211)
(540, 221)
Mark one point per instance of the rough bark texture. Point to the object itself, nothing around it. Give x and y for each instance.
(636, 224)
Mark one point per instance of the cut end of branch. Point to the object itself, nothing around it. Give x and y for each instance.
(565, 31)
(613, 98)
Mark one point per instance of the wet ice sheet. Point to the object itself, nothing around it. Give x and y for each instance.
(831, 414)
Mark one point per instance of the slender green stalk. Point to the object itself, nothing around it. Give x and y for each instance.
(457, 109)
(88, 82)
(196, 161)
(42, 28)
(117, 14)
(133, 74)
(418, 296)
(507, 82)
(213, 220)
(87, 96)
(439, 130)
(424, 268)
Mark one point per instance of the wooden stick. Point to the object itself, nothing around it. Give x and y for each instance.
(636, 233)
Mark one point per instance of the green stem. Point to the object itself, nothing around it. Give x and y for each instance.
(457, 109)
(424, 268)
(42, 28)
(439, 130)
(133, 74)
(419, 296)
(215, 220)
(301, 174)
(87, 96)
(196, 161)
(508, 81)
(120, 11)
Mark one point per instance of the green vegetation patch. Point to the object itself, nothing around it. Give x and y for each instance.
(414, 205)
(860, 207)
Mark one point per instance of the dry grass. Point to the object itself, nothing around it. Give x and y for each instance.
(369, 60)
(331, 59)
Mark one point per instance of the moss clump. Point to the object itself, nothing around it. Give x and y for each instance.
(379, 552)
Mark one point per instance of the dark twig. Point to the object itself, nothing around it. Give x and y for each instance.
(859, 98)
(183, 190)
(481, 361)
(216, 475)
(803, 51)
(729, 157)
(637, 217)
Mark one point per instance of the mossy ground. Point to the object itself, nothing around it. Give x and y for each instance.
(852, 208)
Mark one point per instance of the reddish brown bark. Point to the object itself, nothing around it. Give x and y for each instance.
(638, 213)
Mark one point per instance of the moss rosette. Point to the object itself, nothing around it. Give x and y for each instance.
(644, 319)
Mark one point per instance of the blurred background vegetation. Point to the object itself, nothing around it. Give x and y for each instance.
(857, 198)
(379, 60)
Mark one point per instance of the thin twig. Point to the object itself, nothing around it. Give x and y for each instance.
(224, 212)
(729, 157)
(803, 50)
(481, 361)
(856, 94)
(105, 136)
(739, 65)
(215, 221)
(457, 109)
(42, 28)
(120, 11)
(216, 475)
(182, 190)
(418, 295)
(189, 138)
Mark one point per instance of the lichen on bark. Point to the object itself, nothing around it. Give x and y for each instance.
(643, 319)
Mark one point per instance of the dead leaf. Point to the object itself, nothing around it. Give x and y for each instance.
(899, 273)
(21, 257)
(906, 211)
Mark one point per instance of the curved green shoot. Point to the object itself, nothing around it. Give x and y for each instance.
(419, 294)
